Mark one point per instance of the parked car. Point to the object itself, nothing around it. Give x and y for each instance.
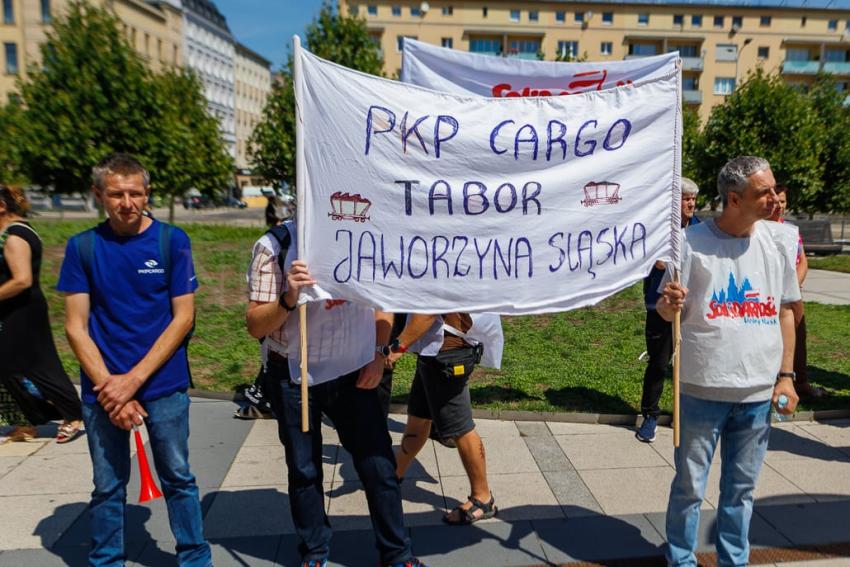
(197, 202)
(234, 202)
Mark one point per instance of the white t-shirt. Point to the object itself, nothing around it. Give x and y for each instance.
(731, 340)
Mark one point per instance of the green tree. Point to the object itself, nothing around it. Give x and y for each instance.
(834, 118)
(189, 152)
(767, 118)
(12, 126)
(690, 141)
(91, 96)
(343, 39)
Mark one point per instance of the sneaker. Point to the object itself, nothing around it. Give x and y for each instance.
(315, 563)
(409, 563)
(646, 431)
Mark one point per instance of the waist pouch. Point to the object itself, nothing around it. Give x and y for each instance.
(455, 363)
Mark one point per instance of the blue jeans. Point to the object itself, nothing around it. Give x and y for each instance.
(743, 429)
(168, 429)
(362, 428)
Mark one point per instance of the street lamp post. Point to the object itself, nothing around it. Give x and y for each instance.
(747, 41)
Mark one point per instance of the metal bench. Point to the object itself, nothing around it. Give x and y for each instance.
(817, 236)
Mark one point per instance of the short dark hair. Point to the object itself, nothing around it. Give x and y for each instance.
(118, 164)
(14, 200)
(781, 188)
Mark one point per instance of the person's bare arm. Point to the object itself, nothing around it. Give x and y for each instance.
(264, 318)
(371, 374)
(802, 267)
(18, 256)
(786, 385)
(118, 389)
(416, 326)
(672, 300)
(77, 307)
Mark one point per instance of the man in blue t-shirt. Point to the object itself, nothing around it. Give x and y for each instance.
(129, 285)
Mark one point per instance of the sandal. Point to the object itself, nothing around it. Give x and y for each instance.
(22, 433)
(68, 431)
(460, 516)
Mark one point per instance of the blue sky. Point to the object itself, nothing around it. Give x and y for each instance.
(267, 26)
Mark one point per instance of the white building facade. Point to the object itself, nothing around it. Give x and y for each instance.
(253, 85)
(209, 50)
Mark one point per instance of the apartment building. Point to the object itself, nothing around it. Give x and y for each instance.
(253, 84)
(719, 41)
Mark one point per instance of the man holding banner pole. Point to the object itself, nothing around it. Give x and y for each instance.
(735, 295)
(344, 370)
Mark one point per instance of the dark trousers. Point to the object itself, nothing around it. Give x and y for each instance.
(362, 428)
(800, 353)
(659, 347)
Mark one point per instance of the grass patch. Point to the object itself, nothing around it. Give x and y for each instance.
(583, 360)
(835, 263)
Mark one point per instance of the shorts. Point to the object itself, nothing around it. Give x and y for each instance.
(440, 392)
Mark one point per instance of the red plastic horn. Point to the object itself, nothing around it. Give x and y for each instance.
(148, 491)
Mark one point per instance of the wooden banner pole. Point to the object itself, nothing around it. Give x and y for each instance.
(305, 391)
(677, 342)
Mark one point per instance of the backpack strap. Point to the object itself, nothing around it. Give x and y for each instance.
(164, 238)
(85, 250)
(280, 232)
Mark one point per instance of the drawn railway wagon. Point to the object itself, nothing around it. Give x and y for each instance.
(349, 207)
(601, 193)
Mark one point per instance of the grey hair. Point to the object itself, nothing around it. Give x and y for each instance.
(734, 176)
(118, 164)
(689, 187)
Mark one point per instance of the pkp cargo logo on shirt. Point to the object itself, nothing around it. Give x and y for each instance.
(151, 268)
(742, 302)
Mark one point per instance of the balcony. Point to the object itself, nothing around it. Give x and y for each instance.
(800, 67)
(692, 63)
(837, 68)
(641, 56)
(692, 96)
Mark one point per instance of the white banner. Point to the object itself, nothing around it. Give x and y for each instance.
(419, 201)
(464, 73)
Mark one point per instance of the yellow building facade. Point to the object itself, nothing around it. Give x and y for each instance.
(718, 43)
(153, 28)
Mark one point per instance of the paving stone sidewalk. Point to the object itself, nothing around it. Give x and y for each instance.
(567, 492)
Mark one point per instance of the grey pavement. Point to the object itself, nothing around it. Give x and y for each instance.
(567, 492)
(823, 286)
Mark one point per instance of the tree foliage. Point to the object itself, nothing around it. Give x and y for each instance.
(340, 38)
(94, 95)
(690, 141)
(767, 118)
(834, 118)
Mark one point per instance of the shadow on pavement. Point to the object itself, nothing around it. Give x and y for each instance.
(588, 399)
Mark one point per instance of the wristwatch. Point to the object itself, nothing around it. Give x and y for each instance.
(387, 350)
(282, 302)
(791, 375)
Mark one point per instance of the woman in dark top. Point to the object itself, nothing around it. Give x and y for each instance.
(30, 368)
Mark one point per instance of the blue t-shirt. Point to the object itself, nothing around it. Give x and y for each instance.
(130, 296)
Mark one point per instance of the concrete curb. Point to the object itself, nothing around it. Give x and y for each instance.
(559, 417)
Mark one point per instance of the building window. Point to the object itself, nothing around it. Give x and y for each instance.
(696, 21)
(678, 20)
(484, 12)
(491, 46)
(395, 10)
(11, 58)
(689, 83)
(606, 48)
(448, 10)
(718, 21)
(686, 50)
(514, 15)
(724, 85)
(797, 54)
(399, 44)
(447, 42)
(525, 47)
(643, 19)
(803, 22)
(415, 11)
(46, 16)
(764, 21)
(568, 49)
(560, 16)
(737, 22)
(643, 49)
(372, 10)
(726, 52)
(832, 25)
(608, 18)
(763, 52)
(8, 12)
(533, 16)
(578, 17)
